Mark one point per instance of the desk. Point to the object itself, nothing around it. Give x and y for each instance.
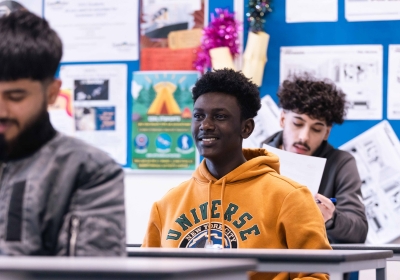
(394, 247)
(123, 268)
(288, 260)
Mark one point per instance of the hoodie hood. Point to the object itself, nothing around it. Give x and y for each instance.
(259, 161)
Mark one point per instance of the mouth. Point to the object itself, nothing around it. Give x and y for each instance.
(207, 140)
(301, 149)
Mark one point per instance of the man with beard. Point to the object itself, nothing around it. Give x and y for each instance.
(310, 108)
(59, 196)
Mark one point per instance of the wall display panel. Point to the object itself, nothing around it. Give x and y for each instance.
(95, 30)
(311, 10)
(372, 10)
(356, 69)
(393, 107)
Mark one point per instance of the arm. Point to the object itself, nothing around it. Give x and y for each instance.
(153, 233)
(95, 222)
(349, 221)
(301, 224)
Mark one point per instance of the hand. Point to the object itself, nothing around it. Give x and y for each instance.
(326, 206)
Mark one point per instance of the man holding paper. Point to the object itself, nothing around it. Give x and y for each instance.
(310, 108)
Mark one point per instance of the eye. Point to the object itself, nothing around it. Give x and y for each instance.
(16, 96)
(297, 124)
(220, 117)
(316, 130)
(198, 116)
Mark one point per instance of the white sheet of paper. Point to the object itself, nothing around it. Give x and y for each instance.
(35, 6)
(370, 10)
(95, 30)
(311, 10)
(306, 170)
(356, 69)
(377, 153)
(100, 105)
(393, 104)
(266, 123)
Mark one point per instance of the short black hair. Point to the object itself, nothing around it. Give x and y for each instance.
(29, 48)
(319, 99)
(234, 83)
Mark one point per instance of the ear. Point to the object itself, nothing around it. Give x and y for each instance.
(282, 119)
(53, 90)
(247, 128)
(328, 131)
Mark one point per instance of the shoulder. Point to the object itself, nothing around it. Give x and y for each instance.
(281, 184)
(67, 148)
(339, 157)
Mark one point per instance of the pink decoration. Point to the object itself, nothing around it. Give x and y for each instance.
(221, 32)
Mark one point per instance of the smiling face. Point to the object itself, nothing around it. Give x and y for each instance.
(302, 134)
(21, 103)
(217, 127)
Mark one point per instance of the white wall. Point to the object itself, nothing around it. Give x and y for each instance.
(141, 190)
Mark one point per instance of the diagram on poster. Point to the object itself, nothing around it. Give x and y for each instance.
(370, 10)
(161, 127)
(377, 153)
(95, 30)
(266, 123)
(393, 106)
(356, 69)
(99, 94)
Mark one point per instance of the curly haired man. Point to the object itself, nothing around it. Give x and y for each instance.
(310, 108)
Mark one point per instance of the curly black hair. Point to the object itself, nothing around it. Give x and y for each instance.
(234, 83)
(319, 99)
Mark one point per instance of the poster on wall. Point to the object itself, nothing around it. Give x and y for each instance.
(355, 69)
(171, 31)
(34, 6)
(393, 110)
(99, 93)
(266, 123)
(95, 30)
(311, 11)
(371, 10)
(377, 153)
(61, 113)
(161, 120)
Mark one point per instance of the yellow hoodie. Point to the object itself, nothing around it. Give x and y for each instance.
(254, 205)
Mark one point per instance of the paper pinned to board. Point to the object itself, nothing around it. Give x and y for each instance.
(184, 39)
(377, 154)
(266, 123)
(306, 170)
(311, 11)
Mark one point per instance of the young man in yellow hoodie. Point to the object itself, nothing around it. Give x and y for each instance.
(236, 192)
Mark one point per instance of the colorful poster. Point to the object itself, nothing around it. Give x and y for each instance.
(161, 120)
(100, 105)
(170, 33)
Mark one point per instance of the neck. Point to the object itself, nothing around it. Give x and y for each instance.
(30, 140)
(220, 167)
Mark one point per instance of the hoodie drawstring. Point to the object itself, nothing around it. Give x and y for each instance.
(222, 212)
(209, 212)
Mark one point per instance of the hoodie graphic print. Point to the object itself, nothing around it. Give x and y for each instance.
(253, 206)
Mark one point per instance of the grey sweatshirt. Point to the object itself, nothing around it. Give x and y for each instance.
(65, 198)
(340, 180)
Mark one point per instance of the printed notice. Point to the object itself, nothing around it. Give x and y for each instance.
(100, 105)
(377, 153)
(393, 109)
(34, 6)
(95, 30)
(355, 69)
(311, 10)
(370, 10)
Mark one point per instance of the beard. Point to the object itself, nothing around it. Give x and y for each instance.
(29, 140)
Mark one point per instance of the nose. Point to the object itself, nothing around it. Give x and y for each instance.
(207, 124)
(304, 134)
